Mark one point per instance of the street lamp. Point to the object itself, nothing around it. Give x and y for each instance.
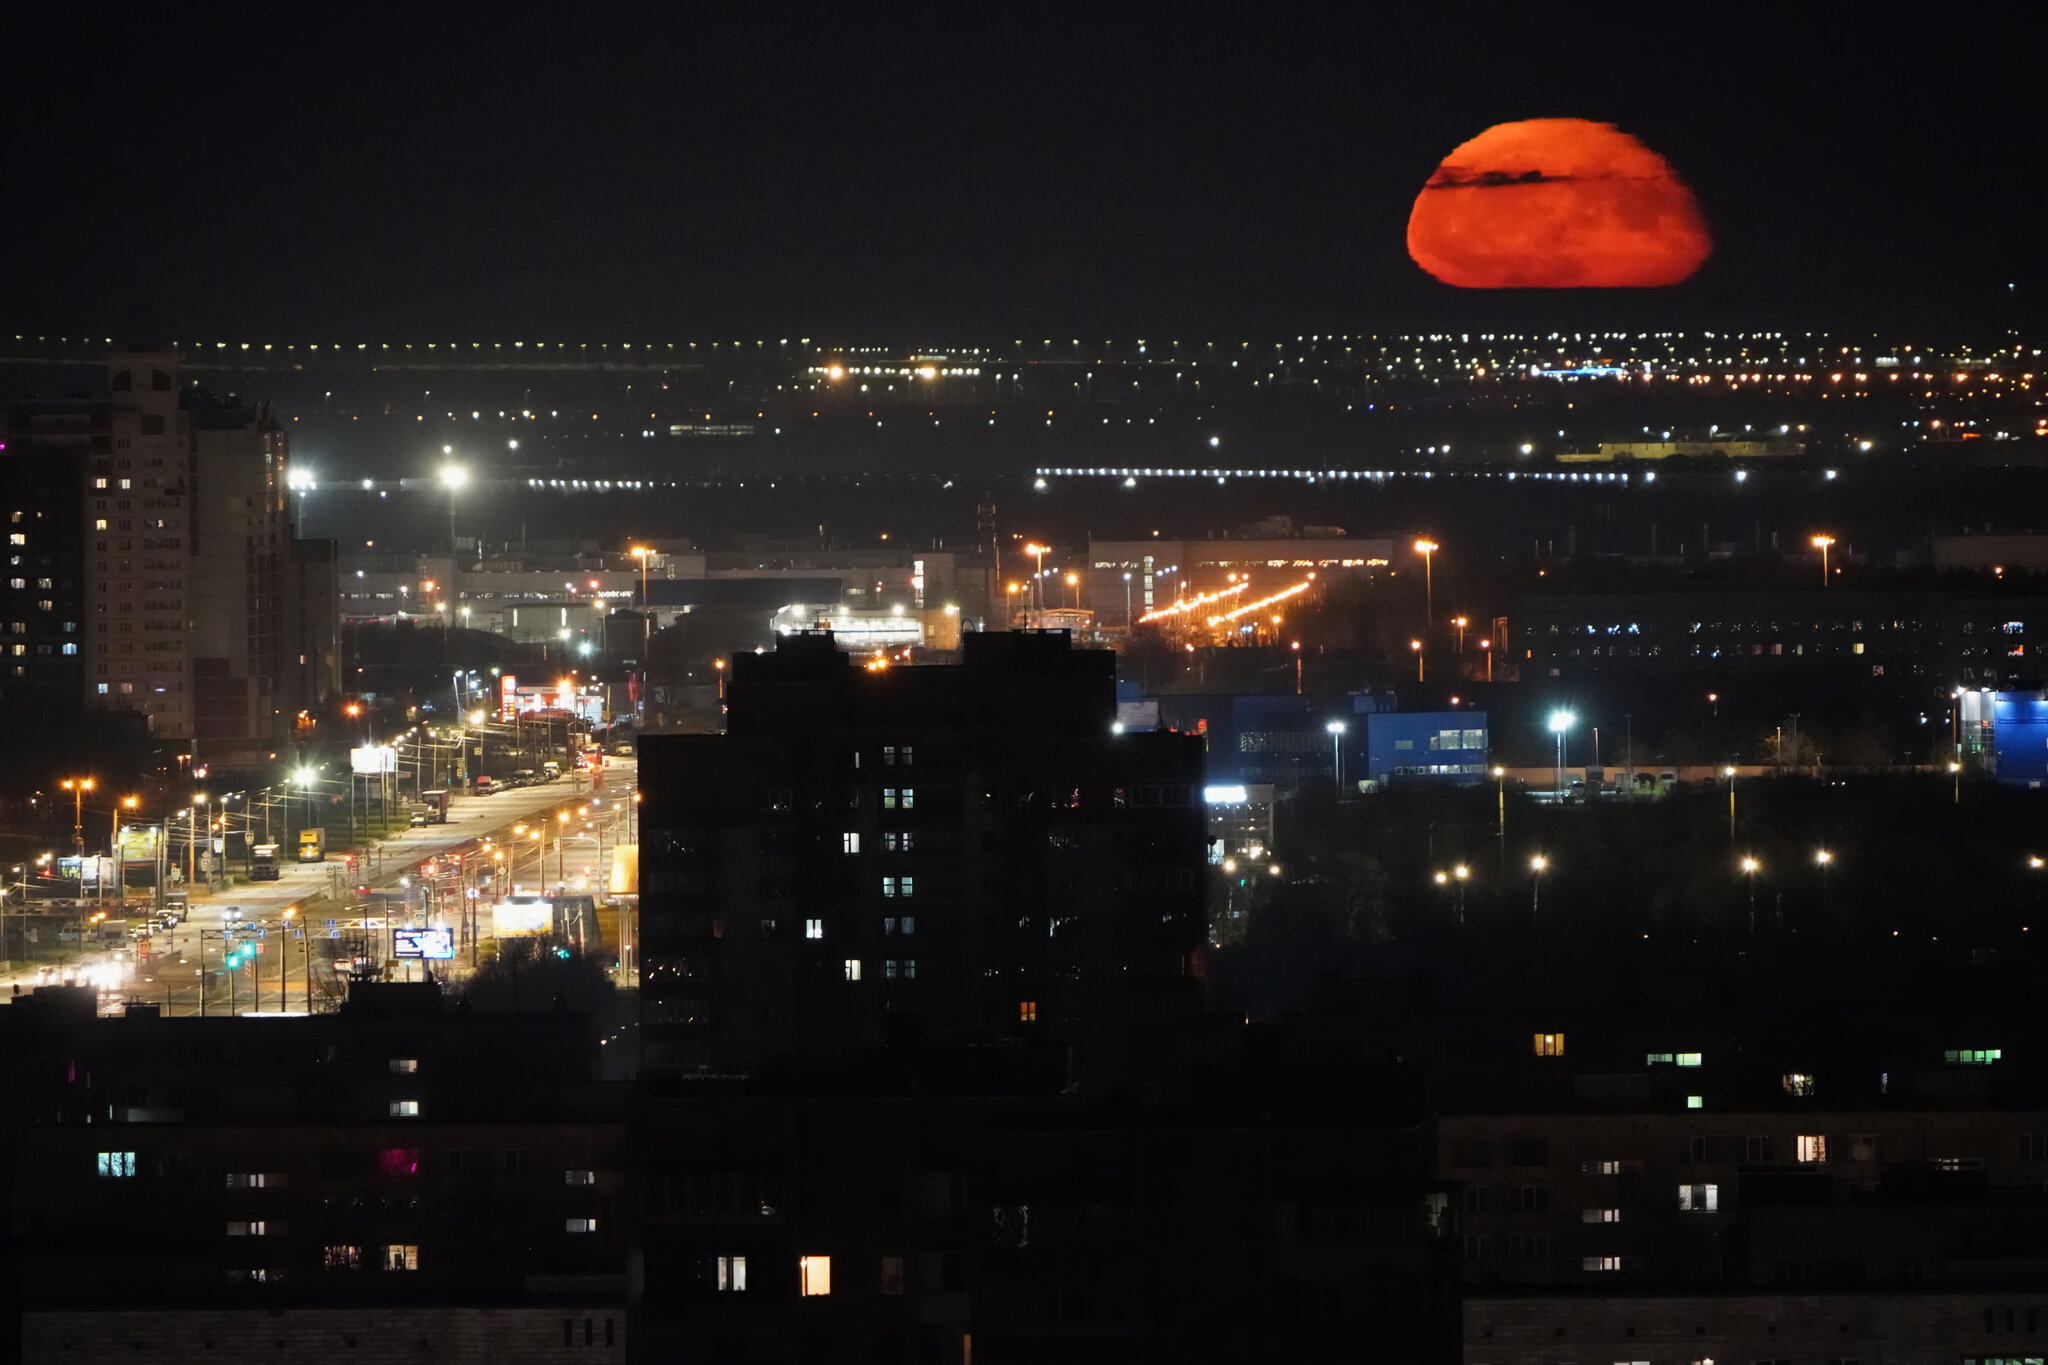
(1821, 543)
(1486, 648)
(1729, 773)
(1074, 582)
(454, 478)
(1561, 721)
(643, 553)
(1956, 771)
(1038, 579)
(1749, 871)
(1416, 645)
(1427, 548)
(1337, 729)
(1127, 602)
(1537, 866)
(1460, 622)
(1823, 860)
(127, 803)
(78, 787)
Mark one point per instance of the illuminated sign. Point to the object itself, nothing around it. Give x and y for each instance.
(523, 917)
(1224, 796)
(366, 760)
(437, 944)
(508, 697)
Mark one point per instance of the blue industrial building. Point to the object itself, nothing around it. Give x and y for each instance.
(2019, 737)
(1287, 740)
(1436, 746)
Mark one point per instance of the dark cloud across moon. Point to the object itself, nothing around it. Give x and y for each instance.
(1557, 203)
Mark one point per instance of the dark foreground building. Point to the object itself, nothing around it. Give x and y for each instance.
(880, 857)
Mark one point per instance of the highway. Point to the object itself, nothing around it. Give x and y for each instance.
(311, 915)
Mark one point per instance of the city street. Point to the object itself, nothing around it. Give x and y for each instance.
(314, 903)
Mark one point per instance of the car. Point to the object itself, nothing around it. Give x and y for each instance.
(418, 821)
(623, 750)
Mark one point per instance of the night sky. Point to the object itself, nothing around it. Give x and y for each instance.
(931, 174)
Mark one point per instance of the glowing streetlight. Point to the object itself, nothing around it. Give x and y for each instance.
(1750, 867)
(1486, 648)
(454, 478)
(1955, 771)
(1416, 645)
(1039, 552)
(1460, 622)
(1336, 729)
(1427, 548)
(78, 787)
(1561, 722)
(1821, 543)
(1729, 773)
(1538, 865)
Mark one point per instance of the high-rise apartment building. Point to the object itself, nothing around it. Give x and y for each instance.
(952, 854)
(44, 449)
(185, 558)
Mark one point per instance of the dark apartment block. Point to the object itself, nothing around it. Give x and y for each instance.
(878, 857)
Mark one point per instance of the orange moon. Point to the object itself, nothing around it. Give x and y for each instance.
(1557, 203)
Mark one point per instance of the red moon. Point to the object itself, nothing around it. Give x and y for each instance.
(1557, 203)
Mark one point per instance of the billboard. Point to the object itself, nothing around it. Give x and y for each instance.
(508, 697)
(138, 843)
(523, 917)
(368, 760)
(434, 944)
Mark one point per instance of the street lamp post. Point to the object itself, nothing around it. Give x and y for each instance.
(1416, 645)
(1955, 771)
(1427, 549)
(1337, 729)
(643, 553)
(1038, 552)
(78, 787)
(1560, 722)
(1500, 795)
(1729, 773)
(1486, 648)
(1127, 602)
(1821, 543)
(1824, 860)
(1537, 865)
(1749, 870)
(1460, 622)
(127, 803)
(454, 478)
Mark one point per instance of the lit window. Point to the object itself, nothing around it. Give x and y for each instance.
(900, 969)
(1597, 1263)
(342, 1258)
(1690, 1059)
(1027, 1011)
(849, 842)
(579, 1177)
(1599, 1215)
(1549, 1044)
(814, 928)
(239, 1229)
(1695, 1101)
(1699, 1198)
(906, 924)
(888, 798)
(117, 1165)
(814, 1275)
(1812, 1148)
(405, 1109)
(254, 1180)
(404, 1066)
(401, 1257)
(732, 1274)
(579, 1225)
(1972, 1056)
(398, 1161)
(1797, 1083)
(853, 969)
(899, 886)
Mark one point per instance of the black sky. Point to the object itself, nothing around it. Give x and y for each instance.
(951, 174)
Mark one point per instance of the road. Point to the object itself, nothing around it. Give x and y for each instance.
(292, 914)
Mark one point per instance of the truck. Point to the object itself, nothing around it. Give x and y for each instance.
(263, 863)
(436, 804)
(312, 845)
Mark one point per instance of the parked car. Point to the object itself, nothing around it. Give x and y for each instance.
(418, 821)
(623, 750)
